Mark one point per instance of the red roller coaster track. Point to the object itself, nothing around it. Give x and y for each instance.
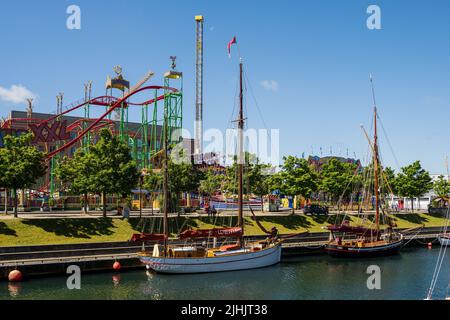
(102, 100)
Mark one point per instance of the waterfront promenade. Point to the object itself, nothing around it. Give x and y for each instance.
(148, 213)
(40, 260)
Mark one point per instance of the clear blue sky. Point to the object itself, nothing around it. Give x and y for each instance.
(319, 53)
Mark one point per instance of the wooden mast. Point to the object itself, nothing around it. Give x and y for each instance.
(241, 158)
(165, 180)
(375, 160)
(375, 168)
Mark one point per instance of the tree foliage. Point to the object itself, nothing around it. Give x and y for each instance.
(295, 178)
(254, 177)
(336, 178)
(153, 181)
(211, 182)
(107, 168)
(183, 177)
(76, 174)
(386, 176)
(442, 189)
(413, 181)
(21, 164)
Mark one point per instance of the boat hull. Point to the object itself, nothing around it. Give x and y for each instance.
(250, 260)
(444, 240)
(342, 251)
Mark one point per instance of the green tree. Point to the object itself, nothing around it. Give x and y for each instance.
(295, 178)
(413, 181)
(21, 164)
(336, 178)
(153, 181)
(183, 177)
(211, 182)
(442, 189)
(258, 179)
(114, 170)
(76, 174)
(254, 177)
(231, 177)
(386, 178)
(389, 175)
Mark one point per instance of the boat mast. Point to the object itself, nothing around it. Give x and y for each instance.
(240, 156)
(165, 181)
(375, 159)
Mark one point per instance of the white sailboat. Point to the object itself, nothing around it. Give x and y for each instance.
(250, 256)
(444, 239)
(241, 255)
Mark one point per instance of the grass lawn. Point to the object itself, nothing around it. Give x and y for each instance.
(15, 232)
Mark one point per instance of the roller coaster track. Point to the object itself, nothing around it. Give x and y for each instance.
(113, 103)
(78, 124)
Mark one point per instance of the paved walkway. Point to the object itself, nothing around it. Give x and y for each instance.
(156, 213)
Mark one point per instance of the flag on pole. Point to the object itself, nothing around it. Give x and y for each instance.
(229, 46)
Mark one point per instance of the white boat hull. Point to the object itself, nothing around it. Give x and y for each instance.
(242, 261)
(444, 240)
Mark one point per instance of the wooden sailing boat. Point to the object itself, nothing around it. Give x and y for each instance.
(193, 258)
(356, 241)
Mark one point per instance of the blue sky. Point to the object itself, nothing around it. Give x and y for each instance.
(316, 54)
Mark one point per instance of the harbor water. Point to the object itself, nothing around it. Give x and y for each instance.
(406, 275)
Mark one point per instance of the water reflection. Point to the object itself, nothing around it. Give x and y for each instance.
(406, 276)
(14, 289)
(116, 279)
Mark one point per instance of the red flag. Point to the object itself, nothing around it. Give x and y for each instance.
(229, 45)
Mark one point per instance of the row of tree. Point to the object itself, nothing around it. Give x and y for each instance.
(336, 180)
(108, 168)
(340, 181)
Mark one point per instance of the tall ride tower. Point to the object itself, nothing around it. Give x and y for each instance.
(198, 138)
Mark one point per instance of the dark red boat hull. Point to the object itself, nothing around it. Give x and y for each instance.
(340, 251)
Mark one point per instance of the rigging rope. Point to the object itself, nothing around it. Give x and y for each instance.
(388, 141)
(440, 259)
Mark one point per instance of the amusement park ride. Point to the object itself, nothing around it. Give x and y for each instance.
(61, 134)
(160, 106)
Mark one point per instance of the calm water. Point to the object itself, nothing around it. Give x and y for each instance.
(404, 276)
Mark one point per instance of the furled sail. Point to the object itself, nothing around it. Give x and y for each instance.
(216, 232)
(142, 237)
(354, 230)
